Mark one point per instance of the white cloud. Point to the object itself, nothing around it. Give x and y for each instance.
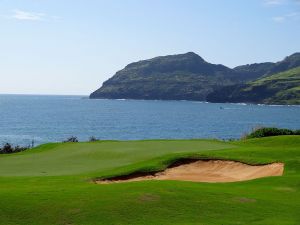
(273, 2)
(25, 15)
(18, 14)
(280, 19)
(281, 2)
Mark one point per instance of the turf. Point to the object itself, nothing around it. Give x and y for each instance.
(52, 184)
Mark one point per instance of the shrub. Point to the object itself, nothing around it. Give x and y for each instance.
(8, 149)
(297, 132)
(270, 131)
(92, 139)
(71, 139)
(21, 149)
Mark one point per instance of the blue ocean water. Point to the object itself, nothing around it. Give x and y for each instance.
(55, 118)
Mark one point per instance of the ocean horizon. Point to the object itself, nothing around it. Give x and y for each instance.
(54, 118)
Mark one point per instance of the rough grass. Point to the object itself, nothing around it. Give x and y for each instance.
(63, 194)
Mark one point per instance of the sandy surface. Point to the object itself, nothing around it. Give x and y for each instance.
(210, 171)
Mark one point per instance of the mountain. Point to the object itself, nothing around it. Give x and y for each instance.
(281, 88)
(178, 77)
(256, 70)
(289, 62)
(189, 77)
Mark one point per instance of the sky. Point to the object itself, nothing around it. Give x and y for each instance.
(72, 46)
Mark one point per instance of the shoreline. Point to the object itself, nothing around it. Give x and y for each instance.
(87, 97)
(184, 100)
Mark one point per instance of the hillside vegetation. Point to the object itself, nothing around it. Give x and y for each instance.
(190, 77)
(52, 184)
(258, 70)
(181, 77)
(280, 88)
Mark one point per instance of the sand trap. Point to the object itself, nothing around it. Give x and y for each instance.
(205, 171)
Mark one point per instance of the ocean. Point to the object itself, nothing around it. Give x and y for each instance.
(24, 118)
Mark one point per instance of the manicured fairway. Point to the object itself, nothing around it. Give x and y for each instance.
(51, 184)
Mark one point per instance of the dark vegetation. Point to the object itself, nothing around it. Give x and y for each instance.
(75, 139)
(71, 139)
(190, 77)
(180, 77)
(258, 70)
(8, 148)
(288, 63)
(270, 131)
(92, 139)
(280, 88)
(254, 70)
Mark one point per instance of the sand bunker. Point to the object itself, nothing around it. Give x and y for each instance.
(205, 171)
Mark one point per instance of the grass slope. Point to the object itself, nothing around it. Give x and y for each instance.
(281, 88)
(285, 85)
(51, 184)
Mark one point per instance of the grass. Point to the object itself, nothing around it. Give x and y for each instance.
(51, 184)
(283, 87)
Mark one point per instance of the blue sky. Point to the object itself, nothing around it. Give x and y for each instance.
(71, 47)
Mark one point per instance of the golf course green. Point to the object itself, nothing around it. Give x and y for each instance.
(53, 184)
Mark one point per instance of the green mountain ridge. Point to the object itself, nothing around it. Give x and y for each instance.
(181, 77)
(184, 77)
(257, 70)
(281, 88)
